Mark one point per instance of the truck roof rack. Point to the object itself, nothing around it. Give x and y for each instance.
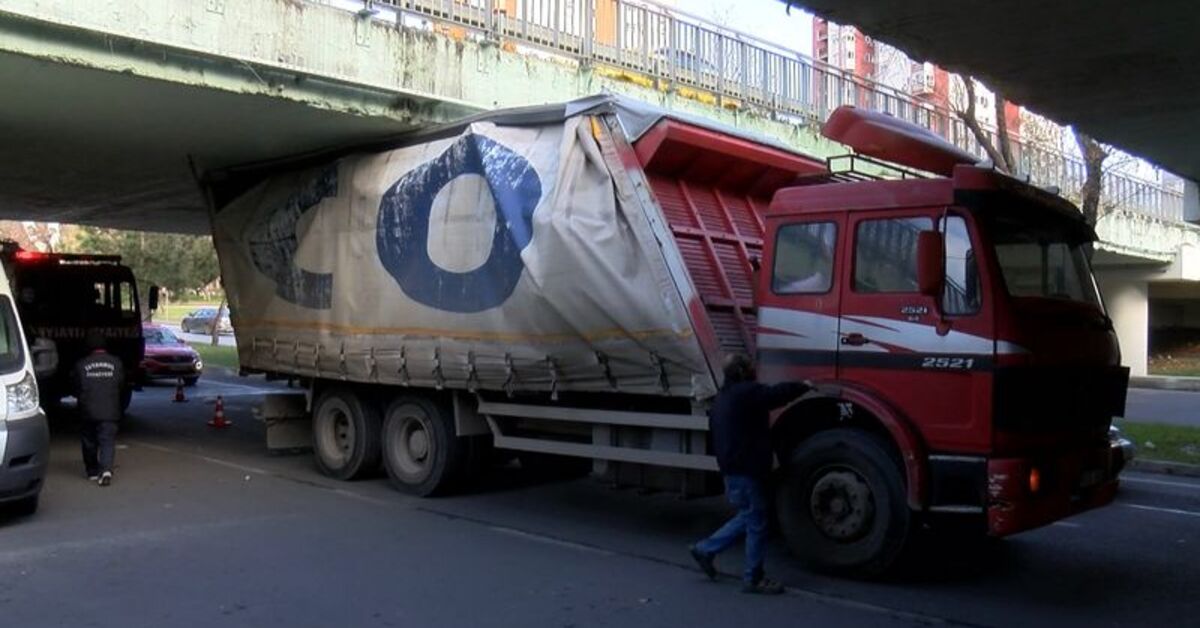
(849, 168)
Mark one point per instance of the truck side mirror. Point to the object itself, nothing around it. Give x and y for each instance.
(931, 263)
(153, 298)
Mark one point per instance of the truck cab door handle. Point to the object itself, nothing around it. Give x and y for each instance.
(855, 340)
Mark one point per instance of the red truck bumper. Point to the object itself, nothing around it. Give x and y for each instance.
(1027, 493)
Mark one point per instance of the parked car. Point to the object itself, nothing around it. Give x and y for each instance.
(24, 435)
(200, 321)
(169, 357)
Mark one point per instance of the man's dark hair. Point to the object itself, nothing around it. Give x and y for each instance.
(96, 340)
(738, 368)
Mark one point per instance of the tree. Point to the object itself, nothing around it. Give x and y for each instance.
(1094, 155)
(178, 263)
(1000, 150)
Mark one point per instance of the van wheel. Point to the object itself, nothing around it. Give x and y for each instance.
(841, 504)
(345, 434)
(421, 453)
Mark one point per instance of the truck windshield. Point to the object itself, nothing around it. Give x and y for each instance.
(1042, 260)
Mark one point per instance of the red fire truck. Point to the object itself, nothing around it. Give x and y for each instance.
(965, 364)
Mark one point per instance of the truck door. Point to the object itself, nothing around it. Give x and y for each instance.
(798, 305)
(929, 357)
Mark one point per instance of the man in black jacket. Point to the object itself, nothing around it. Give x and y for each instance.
(98, 380)
(739, 421)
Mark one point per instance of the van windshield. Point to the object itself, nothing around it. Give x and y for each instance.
(1043, 258)
(12, 353)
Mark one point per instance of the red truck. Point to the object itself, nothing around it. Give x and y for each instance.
(966, 368)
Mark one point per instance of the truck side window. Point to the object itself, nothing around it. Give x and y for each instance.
(961, 294)
(804, 258)
(885, 254)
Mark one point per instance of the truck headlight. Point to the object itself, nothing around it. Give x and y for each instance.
(22, 398)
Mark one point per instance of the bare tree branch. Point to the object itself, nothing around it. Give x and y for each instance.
(1002, 138)
(967, 115)
(1093, 163)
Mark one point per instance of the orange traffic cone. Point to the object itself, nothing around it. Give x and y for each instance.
(218, 419)
(179, 397)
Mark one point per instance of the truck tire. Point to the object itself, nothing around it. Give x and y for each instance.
(421, 452)
(346, 433)
(841, 504)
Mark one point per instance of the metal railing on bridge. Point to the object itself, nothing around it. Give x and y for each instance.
(738, 69)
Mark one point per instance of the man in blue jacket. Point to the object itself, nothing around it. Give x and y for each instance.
(739, 421)
(98, 379)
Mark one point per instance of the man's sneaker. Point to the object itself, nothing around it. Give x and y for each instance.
(764, 586)
(705, 561)
(105, 478)
(92, 477)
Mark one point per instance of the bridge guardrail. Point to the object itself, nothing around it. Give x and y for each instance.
(680, 49)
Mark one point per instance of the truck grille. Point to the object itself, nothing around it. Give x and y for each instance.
(1049, 399)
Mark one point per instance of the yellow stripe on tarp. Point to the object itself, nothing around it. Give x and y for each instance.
(606, 334)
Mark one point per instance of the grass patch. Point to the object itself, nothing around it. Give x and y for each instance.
(218, 356)
(1182, 366)
(1171, 443)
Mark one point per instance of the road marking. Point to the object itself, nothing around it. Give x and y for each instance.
(1066, 524)
(1195, 487)
(1173, 511)
(549, 540)
(216, 461)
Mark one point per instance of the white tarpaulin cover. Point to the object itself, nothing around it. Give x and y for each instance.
(500, 257)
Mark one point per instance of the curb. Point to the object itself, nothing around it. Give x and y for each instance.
(1160, 382)
(1168, 468)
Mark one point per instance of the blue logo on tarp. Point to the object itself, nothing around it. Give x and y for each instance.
(403, 229)
(273, 245)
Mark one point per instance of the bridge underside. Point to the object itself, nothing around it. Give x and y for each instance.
(1123, 71)
(90, 146)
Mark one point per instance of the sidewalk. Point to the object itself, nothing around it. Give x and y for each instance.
(1166, 382)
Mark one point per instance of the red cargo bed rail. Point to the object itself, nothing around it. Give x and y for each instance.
(713, 189)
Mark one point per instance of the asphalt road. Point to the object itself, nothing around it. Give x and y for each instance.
(203, 527)
(1175, 407)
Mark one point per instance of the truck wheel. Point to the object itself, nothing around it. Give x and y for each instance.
(345, 434)
(841, 504)
(420, 450)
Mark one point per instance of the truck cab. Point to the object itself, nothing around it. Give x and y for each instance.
(61, 297)
(954, 322)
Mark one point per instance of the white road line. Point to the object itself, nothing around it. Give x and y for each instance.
(549, 540)
(1194, 487)
(1173, 511)
(217, 461)
(1066, 524)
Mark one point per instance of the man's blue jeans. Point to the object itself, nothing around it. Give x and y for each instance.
(749, 497)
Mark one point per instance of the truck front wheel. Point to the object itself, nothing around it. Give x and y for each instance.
(345, 434)
(421, 452)
(841, 504)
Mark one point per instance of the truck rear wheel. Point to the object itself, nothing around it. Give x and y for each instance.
(841, 504)
(345, 434)
(421, 452)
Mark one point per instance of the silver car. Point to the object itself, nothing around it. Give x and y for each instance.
(200, 321)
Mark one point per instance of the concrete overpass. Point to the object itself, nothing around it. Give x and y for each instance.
(113, 107)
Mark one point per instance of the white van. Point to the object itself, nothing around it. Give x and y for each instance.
(24, 435)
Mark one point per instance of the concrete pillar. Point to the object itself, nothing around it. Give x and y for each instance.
(1127, 296)
(1191, 201)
